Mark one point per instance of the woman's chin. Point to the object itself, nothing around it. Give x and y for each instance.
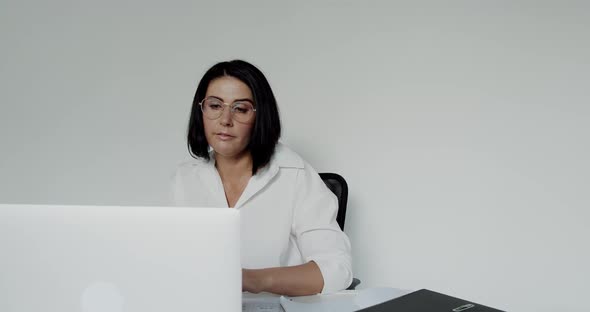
(228, 151)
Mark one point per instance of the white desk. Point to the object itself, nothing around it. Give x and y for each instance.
(343, 301)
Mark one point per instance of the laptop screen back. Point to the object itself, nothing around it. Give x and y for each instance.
(99, 258)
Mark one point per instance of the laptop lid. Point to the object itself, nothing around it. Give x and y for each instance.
(119, 259)
(425, 300)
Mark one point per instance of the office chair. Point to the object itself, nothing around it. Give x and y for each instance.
(338, 186)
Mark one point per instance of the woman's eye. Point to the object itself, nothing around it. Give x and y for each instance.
(215, 106)
(241, 108)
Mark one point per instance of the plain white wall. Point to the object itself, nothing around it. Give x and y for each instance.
(461, 127)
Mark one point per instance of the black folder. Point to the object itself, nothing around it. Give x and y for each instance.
(425, 300)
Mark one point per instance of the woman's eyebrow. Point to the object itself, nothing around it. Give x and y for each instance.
(244, 99)
(236, 100)
(213, 96)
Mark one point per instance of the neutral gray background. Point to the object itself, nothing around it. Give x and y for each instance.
(461, 127)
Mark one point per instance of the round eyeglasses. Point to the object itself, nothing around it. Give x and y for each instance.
(241, 111)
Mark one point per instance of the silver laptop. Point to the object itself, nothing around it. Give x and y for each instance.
(119, 259)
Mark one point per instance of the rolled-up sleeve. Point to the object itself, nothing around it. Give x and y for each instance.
(318, 235)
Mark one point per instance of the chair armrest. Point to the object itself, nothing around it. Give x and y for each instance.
(355, 282)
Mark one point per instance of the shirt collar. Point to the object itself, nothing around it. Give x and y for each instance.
(283, 157)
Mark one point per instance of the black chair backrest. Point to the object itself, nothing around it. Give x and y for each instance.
(338, 186)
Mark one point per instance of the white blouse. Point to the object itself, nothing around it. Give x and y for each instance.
(288, 215)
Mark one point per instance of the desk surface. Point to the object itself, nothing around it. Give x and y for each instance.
(343, 301)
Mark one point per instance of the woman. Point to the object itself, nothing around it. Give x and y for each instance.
(291, 243)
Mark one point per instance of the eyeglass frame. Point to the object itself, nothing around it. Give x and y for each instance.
(228, 105)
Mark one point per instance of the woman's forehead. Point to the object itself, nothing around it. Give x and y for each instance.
(229, 88)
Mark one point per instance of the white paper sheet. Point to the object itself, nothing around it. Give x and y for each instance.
(345, 301)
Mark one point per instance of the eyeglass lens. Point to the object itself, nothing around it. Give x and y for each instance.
(241, 111)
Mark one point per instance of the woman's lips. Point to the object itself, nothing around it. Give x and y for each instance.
(224, 136)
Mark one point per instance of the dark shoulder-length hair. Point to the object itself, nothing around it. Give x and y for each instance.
(267, 124)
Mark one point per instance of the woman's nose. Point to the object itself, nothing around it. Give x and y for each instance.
(226, 118)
